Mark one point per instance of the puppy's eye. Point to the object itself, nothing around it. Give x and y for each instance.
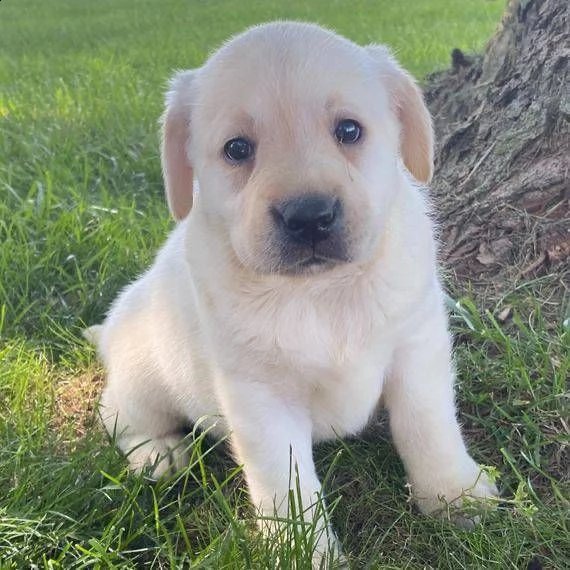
(347, 131)
(238, 149)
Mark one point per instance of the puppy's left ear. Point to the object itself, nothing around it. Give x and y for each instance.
(416, 133)
(176, 167)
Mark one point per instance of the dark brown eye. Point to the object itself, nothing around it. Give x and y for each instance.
(347, 131)
(238, 149)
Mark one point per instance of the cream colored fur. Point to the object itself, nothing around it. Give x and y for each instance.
(215, 332)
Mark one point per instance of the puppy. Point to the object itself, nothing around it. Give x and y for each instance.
(300, 284)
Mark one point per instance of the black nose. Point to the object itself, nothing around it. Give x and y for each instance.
(309, 219)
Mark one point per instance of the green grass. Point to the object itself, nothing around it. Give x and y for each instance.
(82, 213)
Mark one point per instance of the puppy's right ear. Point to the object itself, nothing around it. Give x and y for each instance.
(416, 132)
(176, 168)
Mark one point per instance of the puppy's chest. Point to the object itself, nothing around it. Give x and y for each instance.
(333, 353)
(305, 333)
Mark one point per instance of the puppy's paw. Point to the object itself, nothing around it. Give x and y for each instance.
(301, 545)
(329, 555)
(459, 499)
(162, 455)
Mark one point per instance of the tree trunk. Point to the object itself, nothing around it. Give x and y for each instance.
(503, 157)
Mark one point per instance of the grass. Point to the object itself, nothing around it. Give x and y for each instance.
(82, 213)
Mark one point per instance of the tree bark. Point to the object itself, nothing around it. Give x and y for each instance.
(503, 156)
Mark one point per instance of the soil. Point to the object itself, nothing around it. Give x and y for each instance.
(502, 122)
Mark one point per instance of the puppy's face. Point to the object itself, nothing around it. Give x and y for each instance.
(295, 137)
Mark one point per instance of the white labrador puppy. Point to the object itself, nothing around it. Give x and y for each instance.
(300, 284)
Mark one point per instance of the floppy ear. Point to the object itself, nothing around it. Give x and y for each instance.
(416, 133)
(176, 168)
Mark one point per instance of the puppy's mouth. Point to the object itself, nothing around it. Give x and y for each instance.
(314, 260)
(311, 263)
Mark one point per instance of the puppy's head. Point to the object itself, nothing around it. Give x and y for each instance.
(295, 135)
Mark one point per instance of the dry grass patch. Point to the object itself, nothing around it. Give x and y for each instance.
(75, 410)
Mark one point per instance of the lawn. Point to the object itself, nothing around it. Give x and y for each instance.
(82, 212)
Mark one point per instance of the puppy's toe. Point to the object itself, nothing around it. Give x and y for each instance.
(332, 558)
(161, 456)
(482, 496)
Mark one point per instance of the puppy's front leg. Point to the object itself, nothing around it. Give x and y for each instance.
(272, 438)
(420, 399)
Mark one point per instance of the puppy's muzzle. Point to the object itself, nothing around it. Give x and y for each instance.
(310, 230)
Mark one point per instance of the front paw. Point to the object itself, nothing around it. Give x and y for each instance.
(159, 456)
(460, 498)
(303, 545)
(328, 554)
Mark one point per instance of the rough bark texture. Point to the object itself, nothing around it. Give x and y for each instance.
(503, 156)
